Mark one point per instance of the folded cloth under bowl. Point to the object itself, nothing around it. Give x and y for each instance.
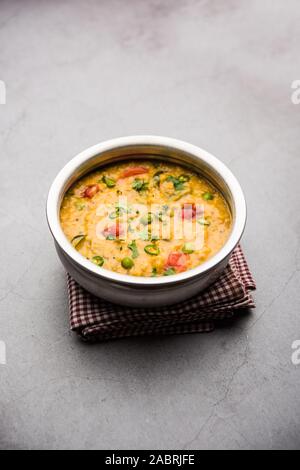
(95, 319)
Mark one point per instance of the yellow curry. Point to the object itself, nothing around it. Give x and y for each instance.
(146, 218)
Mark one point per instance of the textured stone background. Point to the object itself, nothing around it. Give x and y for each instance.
(217, 74)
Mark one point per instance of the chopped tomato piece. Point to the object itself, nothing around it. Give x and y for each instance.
(191, 210)
(134, 171)
(91, 191)
(114, 231)
(188, 212)
(178, 261)
(173, 259)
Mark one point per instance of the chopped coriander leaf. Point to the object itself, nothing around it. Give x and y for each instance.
(122, 209)
(184, 178)
(203, 221)
(110, 182)
(111, 237)
(188, 248)
(139, 185)
(119, 211)
(169, 272)
(156, 178)
(79, 205)
(133, 247)
(177, 183)
(154, 272)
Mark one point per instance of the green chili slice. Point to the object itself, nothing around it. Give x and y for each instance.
(152, 250)
(77, 240)
(98, 260)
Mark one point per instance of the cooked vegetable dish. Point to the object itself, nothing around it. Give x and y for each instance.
(145, 218)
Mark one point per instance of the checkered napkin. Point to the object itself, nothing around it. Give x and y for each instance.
(95, 319)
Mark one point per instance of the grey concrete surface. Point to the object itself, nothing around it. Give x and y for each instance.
(217, 74)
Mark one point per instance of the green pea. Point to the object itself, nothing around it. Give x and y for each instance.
(184, 178)
(98, 260)
(127, 263)
(208, 196)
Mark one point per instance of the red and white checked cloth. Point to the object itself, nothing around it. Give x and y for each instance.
(95, 319)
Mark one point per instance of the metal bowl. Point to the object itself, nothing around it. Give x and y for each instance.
(144, 291)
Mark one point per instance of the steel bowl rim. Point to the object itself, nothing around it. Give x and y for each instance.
(69, 169)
